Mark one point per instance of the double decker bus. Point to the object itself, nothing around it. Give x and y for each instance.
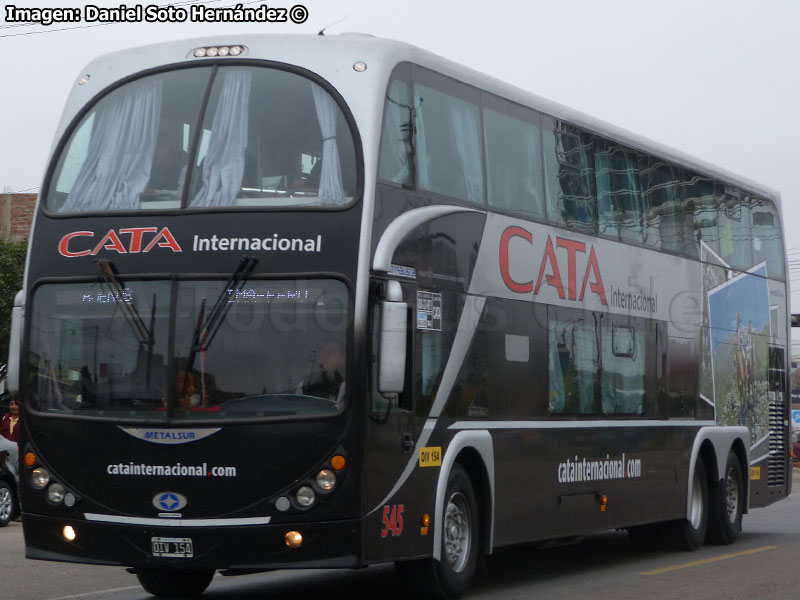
(325, 302)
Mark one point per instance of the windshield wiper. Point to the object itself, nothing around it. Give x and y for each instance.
(108, 275)
(206, 328)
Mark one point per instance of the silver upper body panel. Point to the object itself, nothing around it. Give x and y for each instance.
(332, 58)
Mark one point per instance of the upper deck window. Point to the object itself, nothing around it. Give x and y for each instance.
(767, 238)
(662, 204)
(569, 175)
(701, 197)
(396, 163)
(513, 158)
(619, 212)
(449, 155)
(266, 138)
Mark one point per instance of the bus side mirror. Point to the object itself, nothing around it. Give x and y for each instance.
(392, 342)
(796, 320)
(15, 342)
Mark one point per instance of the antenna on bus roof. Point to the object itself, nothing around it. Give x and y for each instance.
(322, 31)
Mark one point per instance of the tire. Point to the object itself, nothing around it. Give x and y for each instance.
(726, 503)
(175, 583)
(7, 503)
(450, 577)
(690, 534)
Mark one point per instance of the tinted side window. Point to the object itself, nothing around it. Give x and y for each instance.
(660, 193)
(449, 154)
(767, 238)
(622, 383)
(573, 363)
(734, 229)
(569, 176)
(513, 158)
(396, 163)
(619, 212)
(701, 200)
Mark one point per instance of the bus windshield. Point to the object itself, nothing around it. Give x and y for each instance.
(279, 349)
(265, 138)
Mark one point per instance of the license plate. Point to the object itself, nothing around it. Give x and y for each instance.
(172, 547)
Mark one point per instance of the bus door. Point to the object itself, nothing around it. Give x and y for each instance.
(392, 432)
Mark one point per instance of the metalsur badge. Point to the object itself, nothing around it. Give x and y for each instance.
(170, 436)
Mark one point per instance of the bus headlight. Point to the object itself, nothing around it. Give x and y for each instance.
(326, 480)
(40, 477)
(305, 496)
(55, 493)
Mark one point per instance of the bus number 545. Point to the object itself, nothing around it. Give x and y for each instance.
(392, 520)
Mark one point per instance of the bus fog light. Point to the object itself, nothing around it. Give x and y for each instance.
(40, 477)
(55, 493)
(69, 533)
(326, 480)
(305, 496)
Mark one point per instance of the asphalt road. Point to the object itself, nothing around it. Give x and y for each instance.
(762, 564)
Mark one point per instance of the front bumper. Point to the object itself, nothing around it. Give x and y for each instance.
(332, 544)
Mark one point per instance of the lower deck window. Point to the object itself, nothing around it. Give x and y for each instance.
(595, 368)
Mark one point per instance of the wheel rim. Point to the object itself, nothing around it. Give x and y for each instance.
(457, 532)
(732, 496)
(6, 504)
(696, 514)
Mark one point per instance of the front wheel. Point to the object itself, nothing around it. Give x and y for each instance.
(449, 578)
(175, 583)
(6, 503)
(726, 504)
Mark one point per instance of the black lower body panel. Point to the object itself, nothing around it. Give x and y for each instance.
(333, 544)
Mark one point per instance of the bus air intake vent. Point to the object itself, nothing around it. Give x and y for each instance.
(776, 469)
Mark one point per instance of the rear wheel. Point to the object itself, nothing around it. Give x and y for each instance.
(726, 501)
(450, 577)
(690, 533)
(174, 583)
(6, 503)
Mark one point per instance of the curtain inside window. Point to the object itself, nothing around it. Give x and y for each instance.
(121, 149)
(223, 165)
(573, 367)
(464, 118)
(330, 179)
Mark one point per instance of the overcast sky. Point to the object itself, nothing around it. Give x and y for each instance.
(717, 79)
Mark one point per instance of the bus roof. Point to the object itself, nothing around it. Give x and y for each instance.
(332, 57)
